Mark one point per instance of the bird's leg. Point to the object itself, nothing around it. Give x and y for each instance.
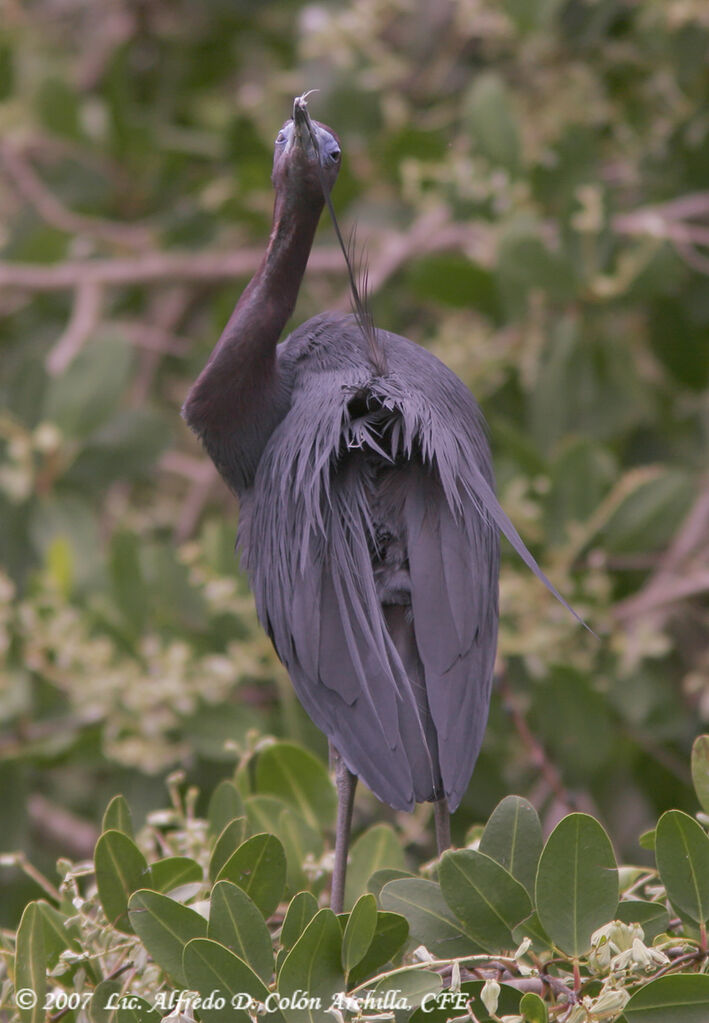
(442, 818)
(346, 783)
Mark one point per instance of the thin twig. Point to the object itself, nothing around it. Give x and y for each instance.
(675, 579)
(31, 187)
(150, 268)
(85, 317)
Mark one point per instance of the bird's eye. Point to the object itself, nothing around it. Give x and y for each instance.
(334, 154)
(280, 138)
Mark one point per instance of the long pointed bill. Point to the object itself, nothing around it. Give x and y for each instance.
(304, 129)
(306, 136)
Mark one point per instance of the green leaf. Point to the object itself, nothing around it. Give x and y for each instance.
(264, 814)
(409, 987)
(493, 121)
(118, 817)
(533, 1009)
(313, 966)
(294, 775)
(121, 869)
(577, 883)
(57, 936)
(431, 922)
(221, 977)
(129, 590)
(513, 837)
(532, 928)
(359, 931)
(673, 999)
(700, 770)
(647, 840)
(525, 263)
(106, 994)
(529, 15)
(236, 922)
(299, 841)
(682, 855)
(376, 848)
(225, 806)
(484, 896)
(380, 877)
(164, 926)
(390, 936)
(87, 393)
(300, 912)
(259, 867)
(30, 968)
(174, 871)
(233, 835)
(133, 1009)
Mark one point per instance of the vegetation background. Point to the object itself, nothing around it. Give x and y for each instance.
(530, 179)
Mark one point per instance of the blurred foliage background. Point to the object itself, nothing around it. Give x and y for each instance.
(530, 179)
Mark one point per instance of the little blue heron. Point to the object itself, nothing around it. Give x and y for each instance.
(368, 522)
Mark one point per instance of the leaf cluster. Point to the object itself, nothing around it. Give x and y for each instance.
(215, 916)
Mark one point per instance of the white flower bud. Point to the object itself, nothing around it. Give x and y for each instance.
(490, 995)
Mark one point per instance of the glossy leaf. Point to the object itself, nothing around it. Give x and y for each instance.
(264, 814)
(359, 931)
(117, 817)
(174, 871)
(235, 922)
(300, 841)
(259, 867)
(672, 999)
(229, 840)
(296, 776)
(577, 883)
(533, 1009)
(313, 966)
(57, 935)
(216, 973)
(225, 805)
(121, 869)
(682, 855)
(300, 912)
(484, 896)
(431, 921)
(376, 848)
(389, 939)
(136, 1010)
(532, 928)
(30, 968)
(164, 926)
(105, 995)
(380, 877)
(700, 770)
(513, 837)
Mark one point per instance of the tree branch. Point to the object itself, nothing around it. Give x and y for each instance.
(31, 187)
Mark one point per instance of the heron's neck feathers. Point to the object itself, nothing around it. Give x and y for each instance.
(240, 377)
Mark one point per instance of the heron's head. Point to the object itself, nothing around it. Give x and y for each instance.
(307, 155)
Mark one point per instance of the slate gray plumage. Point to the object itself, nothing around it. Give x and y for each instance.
(369, 525)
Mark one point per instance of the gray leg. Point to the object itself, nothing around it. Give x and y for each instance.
(443, 825)
(346, 783)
